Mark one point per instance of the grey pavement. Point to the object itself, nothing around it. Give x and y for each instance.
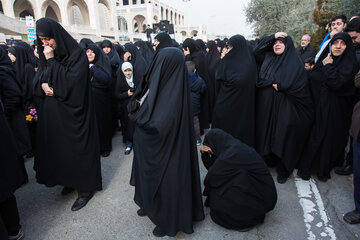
(111, 213)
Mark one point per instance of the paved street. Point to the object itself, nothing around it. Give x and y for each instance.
(305, 210)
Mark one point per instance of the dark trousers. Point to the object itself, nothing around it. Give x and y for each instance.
(197, 128)
(10, 216)
(356, 166)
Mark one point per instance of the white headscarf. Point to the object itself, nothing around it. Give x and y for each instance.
(128, 65)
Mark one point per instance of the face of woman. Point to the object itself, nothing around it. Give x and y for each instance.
(279, 47)
(90, 54)
(128, 73)
(338, 47)
(12, 57)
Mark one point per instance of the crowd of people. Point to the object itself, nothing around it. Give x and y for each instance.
(267, 103)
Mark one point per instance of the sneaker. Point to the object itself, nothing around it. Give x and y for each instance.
(198, 142)
(127, 150)
(19, 236)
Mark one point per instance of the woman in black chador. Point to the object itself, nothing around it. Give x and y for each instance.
(193, 52)
(333, 91)
(167, 180)
(284, 110)
(239, 187)
(67, 150)
(234, 110)
(100, 75)
(212, 59)
(25, 73)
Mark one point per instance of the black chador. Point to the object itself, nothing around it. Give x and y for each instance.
(67, 151)
(283, 117)
(239, 187)
(333, 92)
(100, 74)
(12, 104)
(145, 50)
(167, 180)
(234, 110)
(197, 55)
(212, 59)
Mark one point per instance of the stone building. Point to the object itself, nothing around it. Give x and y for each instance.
(96, 19)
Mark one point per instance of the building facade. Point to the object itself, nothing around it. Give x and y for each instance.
(100, 18)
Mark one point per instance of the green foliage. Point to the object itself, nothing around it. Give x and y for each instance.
(297, 17)
(271, 16)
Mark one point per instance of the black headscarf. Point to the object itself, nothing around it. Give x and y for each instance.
(66, 45)
(145, 51)
(101, 60)
(120, 50)
(192, 45)
(29, 51)
(221, 44)
(85, 42)
(113, 56)
(201, 44)
(164, 41)
(24, 70)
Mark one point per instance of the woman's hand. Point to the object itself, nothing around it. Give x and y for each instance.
(328, 60)
(49, 91)
(281, 35)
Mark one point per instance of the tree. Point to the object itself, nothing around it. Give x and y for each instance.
(271, 16)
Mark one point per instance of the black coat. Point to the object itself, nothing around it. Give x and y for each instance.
(67, 150)
(284, 117)
(212, 61)
(307, 52)
(333, 92)
(167, 179)
(197, 89)
(234, 110)
(239, 187)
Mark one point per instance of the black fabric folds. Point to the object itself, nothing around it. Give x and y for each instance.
(333, 93)
(167, 181)
(10, 170)
(67, 150)
(164, 41)
(234, 110)
(239, 187)
(212, 59)
(198, 57)
(145, 51)
(284, 117)
(102, 92)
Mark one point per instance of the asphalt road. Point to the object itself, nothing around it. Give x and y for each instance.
(305, 210)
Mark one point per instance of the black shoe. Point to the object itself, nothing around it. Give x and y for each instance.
(281, 179)
(66, 191)
(81, 202)
(127, 150)
(141, 213)
(157, 232)
(352, 217)
(105, 154)
(346, 170)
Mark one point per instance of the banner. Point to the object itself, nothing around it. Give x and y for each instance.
(30, 29)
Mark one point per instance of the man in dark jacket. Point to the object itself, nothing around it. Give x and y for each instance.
(197, 88)
(353, 29)
(306, 51)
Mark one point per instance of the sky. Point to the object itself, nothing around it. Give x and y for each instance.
(220, 17)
